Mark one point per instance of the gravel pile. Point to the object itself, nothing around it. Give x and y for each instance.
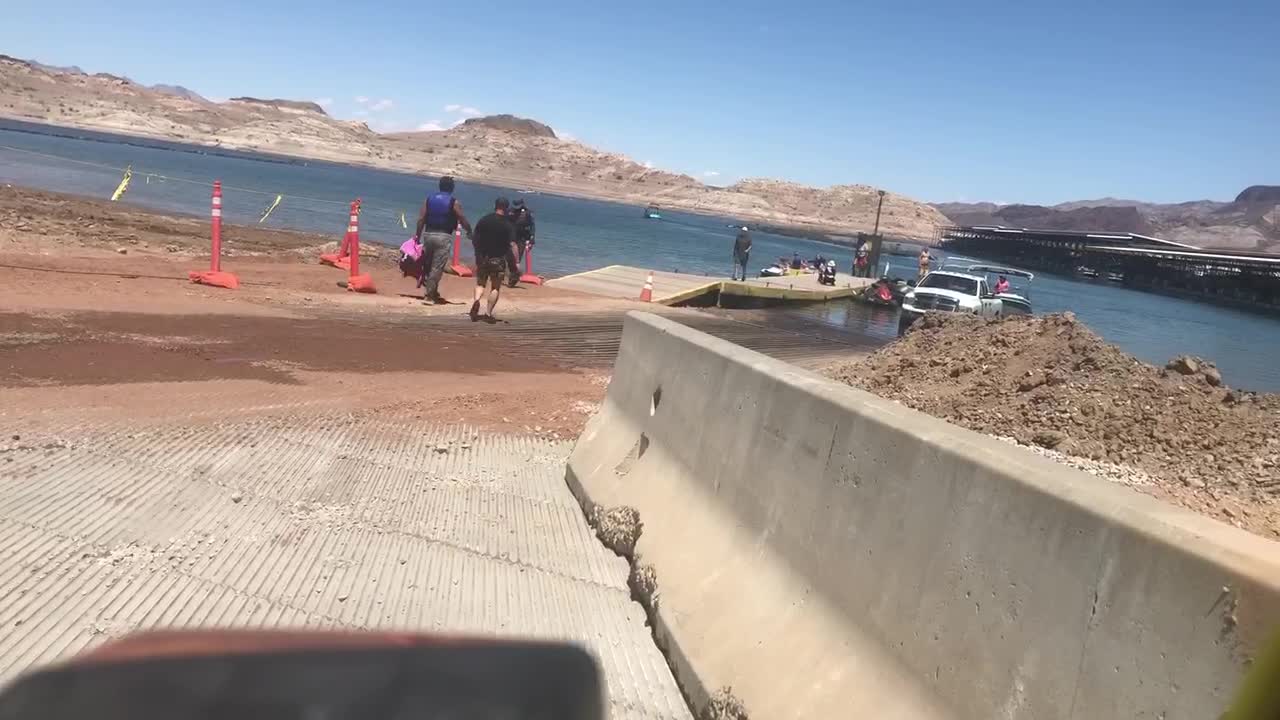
(1177, 432)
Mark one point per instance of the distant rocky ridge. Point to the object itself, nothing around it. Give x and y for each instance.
(503, 150)
(511, 123)
(1260, 195)
(279, 104)
(178, 91)
(1251, 222)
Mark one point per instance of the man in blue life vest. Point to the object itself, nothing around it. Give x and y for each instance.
(441, 215)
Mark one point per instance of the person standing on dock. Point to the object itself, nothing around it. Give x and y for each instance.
(441, 215)
(492, 242)
(741, 252)
(861, 262)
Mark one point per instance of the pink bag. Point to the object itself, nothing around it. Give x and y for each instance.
(411, 249)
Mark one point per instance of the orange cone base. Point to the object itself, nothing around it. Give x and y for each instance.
(460, 270)
(342, 263)
(216, 279)
(361, 283)
(531, 279)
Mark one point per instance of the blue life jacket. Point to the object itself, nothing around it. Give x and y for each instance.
(440, 214)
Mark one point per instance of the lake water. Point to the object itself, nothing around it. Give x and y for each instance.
(576, 235)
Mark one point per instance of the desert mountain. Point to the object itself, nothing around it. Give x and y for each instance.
(503, 150)
(1251, 222)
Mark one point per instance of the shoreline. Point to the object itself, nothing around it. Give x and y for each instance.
(810, 231)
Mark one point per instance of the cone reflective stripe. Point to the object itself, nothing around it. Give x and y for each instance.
(455, 261)
(646, 294)
(214, 275)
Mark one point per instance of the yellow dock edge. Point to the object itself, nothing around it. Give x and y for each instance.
(688, 294)
(776, 292)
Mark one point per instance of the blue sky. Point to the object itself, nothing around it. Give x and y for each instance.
(1005, 101)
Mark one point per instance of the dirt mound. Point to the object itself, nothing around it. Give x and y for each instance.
(1050, 382)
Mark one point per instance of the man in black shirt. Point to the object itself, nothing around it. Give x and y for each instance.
(522, 217)
(492, 241)
(741, 252)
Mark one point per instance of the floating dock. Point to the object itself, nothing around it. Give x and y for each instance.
(673, 288)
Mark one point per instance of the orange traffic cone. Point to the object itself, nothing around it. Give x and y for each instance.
(356, 282)
(646, 293)
(455, 265)
(214, 275)
(342, 258)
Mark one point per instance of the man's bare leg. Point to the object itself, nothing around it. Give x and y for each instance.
(475, 306)
(496, 282)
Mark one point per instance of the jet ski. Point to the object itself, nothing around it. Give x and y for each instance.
(885, 292)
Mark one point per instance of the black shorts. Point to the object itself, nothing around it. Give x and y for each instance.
(490, 268)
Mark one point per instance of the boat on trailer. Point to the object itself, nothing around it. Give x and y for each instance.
(1017, 299)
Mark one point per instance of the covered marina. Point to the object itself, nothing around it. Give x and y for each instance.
(1242, 279)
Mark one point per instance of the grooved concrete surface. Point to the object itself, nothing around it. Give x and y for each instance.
(323, 520)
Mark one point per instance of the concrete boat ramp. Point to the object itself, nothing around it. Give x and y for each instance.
(312, 520)
(674, 288)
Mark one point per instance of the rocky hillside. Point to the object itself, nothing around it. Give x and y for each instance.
(502, 150)
(1251, 222)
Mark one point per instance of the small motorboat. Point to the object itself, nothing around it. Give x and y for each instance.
(1015, 299)
(652, 213)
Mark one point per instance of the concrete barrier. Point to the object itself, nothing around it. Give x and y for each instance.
(830, 554)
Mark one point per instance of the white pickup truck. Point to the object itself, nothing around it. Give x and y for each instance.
(949, 291)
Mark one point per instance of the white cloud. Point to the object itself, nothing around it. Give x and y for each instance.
(648, 165)
(381, 105)
(361, 113)
(433, 126)
(324, 102)
(711, 173)
(457, 122)
(362, 99)
(464, 110)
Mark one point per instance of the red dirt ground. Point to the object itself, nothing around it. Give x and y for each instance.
(87, 330)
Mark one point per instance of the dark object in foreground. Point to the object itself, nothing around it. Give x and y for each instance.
(249, 674)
